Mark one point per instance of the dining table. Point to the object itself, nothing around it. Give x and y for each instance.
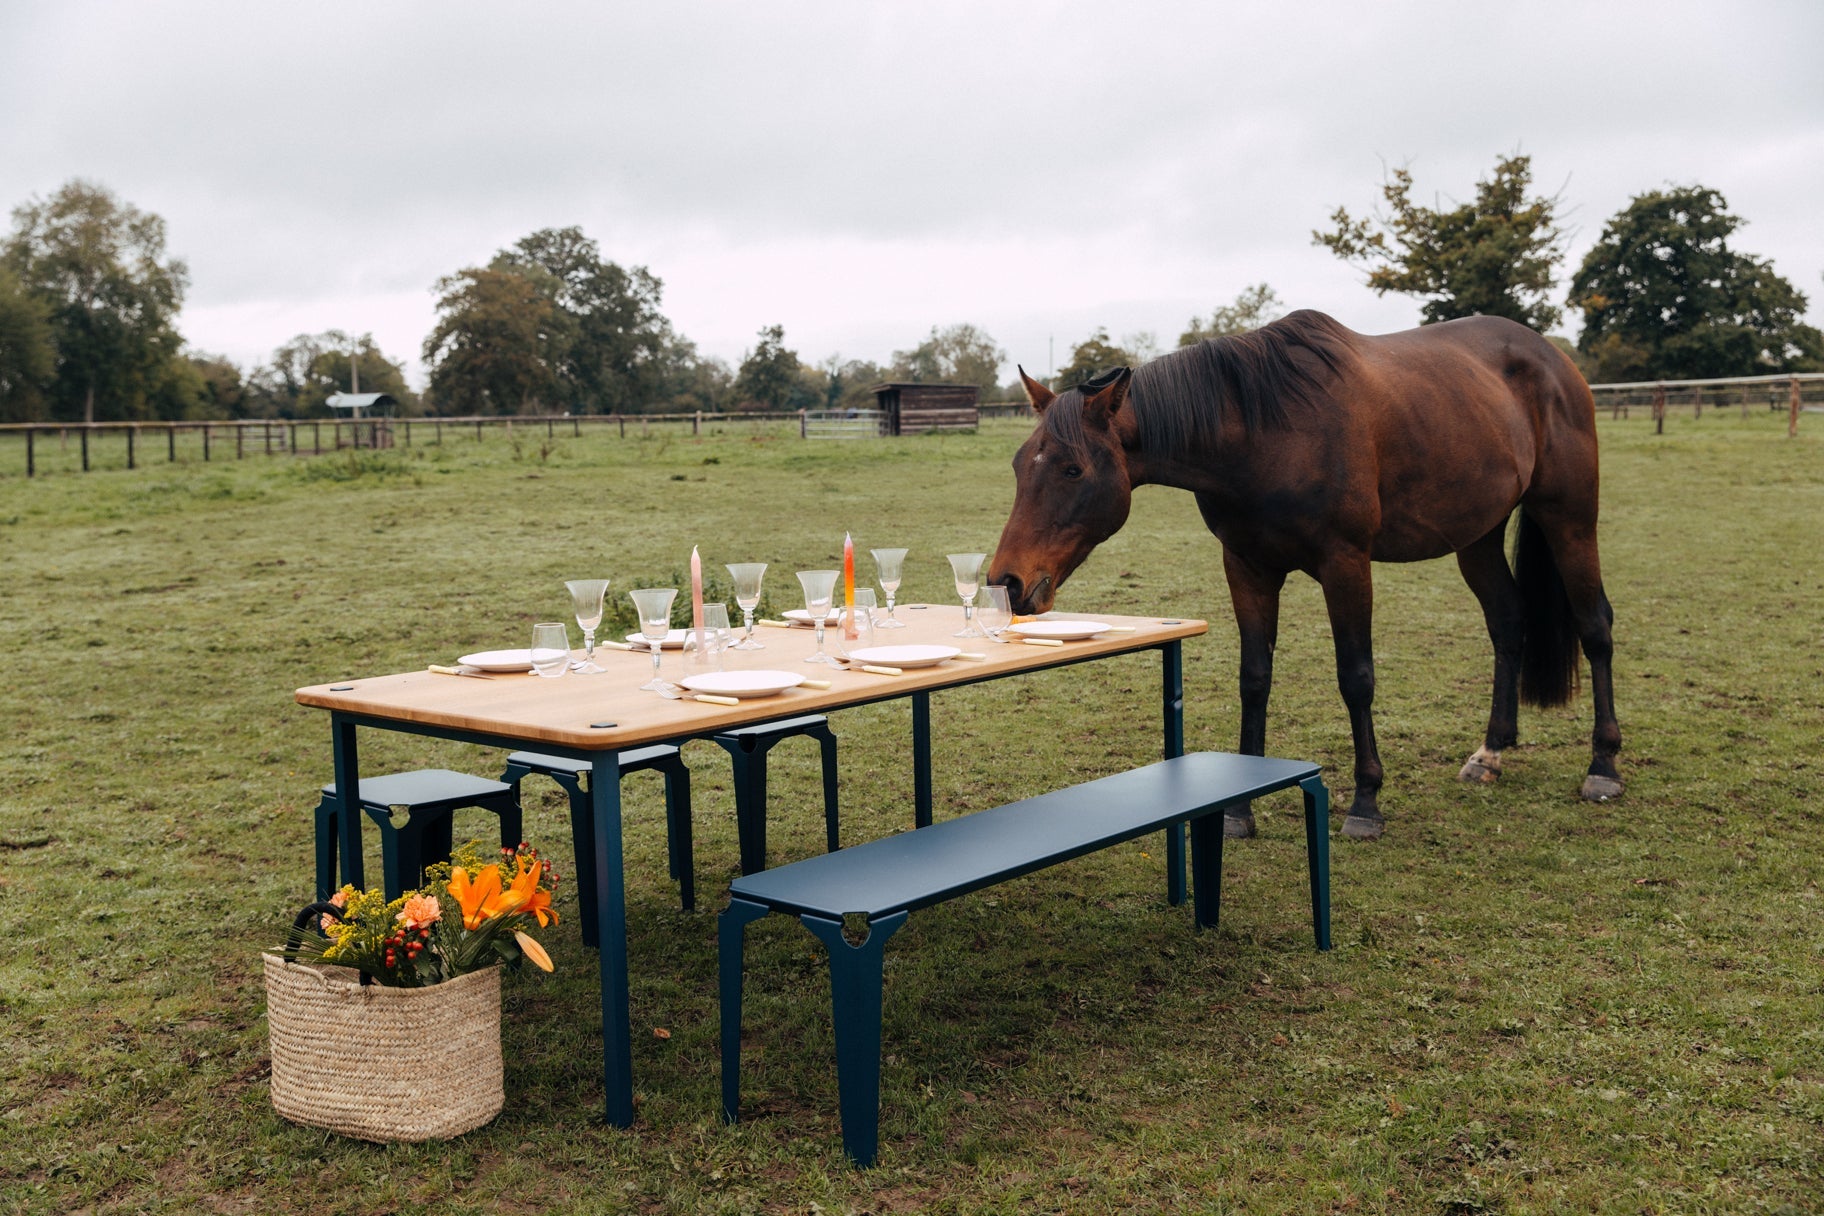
(593, 717)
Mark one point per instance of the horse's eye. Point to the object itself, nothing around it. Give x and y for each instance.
(1073, 470)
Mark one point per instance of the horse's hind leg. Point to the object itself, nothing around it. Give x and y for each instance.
(1484, 568)
(1255, 595)
(1573, 543)
(1348, 582)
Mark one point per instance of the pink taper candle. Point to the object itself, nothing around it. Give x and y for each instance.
(696, 596)
(848, 586)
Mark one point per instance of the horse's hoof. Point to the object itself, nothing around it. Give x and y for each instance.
(1600, 789)
(1478, 773)
(1238, 827)
(1358, 827)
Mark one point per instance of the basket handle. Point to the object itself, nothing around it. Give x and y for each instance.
(307, 921)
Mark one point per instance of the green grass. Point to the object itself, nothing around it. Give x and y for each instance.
(1535, 1004)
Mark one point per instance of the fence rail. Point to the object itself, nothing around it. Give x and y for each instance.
(1792, 392)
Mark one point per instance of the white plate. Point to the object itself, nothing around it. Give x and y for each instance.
(743, 683)
(499, 660)
(1063, 631)
(799, 616)
(673, 640)
(904, 656)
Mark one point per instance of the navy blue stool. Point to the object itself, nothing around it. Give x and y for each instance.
(429, 797)
(572, 775)
(747, 747)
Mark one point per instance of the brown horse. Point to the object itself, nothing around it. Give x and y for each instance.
(1311, 447)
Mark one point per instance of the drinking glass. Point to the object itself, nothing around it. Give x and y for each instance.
(997, 611)
(747, 597)
(654, 606)
(550, 648)
(967, 567)
(887, 564)
(586, 601)
(865, 624)
(819, 589)
(702, 655)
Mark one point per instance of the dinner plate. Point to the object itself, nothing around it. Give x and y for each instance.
(499, 660)
(904, 656)
(1063, 631)
(673, 640)
(757, 683)
(799, 616)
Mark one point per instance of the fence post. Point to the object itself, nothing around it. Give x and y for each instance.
(85, 449)
(132, 434)
(437, 429)
(576, 427)
(291, 438)
(478, 430)
(804, 429)
(696, 423)
(623, 421)
(408, 431)
(205, 443)
(1659, 409)
(1792, 415)
(31, 455)
(240, 442)
(316, 437)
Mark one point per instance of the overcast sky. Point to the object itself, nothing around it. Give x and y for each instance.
(862, 172)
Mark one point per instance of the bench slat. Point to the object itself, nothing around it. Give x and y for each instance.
(917, 869)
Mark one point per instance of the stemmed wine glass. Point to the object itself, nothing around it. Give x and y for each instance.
(654, 606)
(887, 564)
(997, 611)
(967, 567)
(586, 601)
(819, 589)
(747, 597)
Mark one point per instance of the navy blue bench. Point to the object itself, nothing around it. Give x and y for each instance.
(886, 880)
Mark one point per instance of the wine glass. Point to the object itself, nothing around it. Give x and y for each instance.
(997, 611)
(654, 606)
(887, 565)
(747, 596)
(863, 616)
(967, 567)
(550, 648)
(819, 589)
(586, 601)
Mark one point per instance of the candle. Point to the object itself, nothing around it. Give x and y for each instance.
(848, 586)
(696, 598)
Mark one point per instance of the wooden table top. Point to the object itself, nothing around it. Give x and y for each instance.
(568, 712)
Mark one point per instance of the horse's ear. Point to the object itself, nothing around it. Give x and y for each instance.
(1037, 393)
(1109, 393)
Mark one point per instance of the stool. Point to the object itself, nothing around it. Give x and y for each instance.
(747, 747)
(429, 796)
(570, 774)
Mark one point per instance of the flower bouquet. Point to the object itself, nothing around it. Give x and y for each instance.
(385, 1015)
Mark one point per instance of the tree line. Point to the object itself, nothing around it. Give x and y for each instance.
(90, 299)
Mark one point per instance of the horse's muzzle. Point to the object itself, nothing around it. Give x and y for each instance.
(1024, 601)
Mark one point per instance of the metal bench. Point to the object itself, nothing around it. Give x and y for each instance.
(429, 797)
(886, 880)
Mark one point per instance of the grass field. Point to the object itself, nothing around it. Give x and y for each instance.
(1535, 1005)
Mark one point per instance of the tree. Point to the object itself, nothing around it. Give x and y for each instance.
(28, 352)
(493, 349)
(1496, 256)
(690, 380)
(1254, 307)
(1663, 296)
(957, 354)
(98, 265)
(610, 340)
(769, 375)
(305, 371)
(1092, 355)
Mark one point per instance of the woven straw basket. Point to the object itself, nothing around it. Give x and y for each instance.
(380, 1063)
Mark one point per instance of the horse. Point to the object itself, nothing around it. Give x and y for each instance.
(1311, 447)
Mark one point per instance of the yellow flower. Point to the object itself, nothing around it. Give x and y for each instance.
(529, 945)
(480, 898)
(419, 912)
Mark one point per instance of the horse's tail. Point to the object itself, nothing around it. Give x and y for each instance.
(1549, 657)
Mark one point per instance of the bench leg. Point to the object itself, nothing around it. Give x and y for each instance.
(832, 829)
(855, 1000)
(750, 800)
(1172, 670)
(678, 833)
(582, 840)
(1206, 868)
(327, 828)
(731, 940)
(1317, 855)
(921, 759)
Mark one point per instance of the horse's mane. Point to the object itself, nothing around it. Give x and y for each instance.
(1259, 378)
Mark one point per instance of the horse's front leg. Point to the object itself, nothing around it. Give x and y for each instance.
(1348, 583)
(1255, 594)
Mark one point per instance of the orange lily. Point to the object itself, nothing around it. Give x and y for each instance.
(532, 950)
(524, 888)
(481, 897)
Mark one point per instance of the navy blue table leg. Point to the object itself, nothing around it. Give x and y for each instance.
(611, 939)
(348, 792)
(1206, 869)
(921, 759)
(855, 1000)
(1172, 660)
(731, 935)
(1317, 855)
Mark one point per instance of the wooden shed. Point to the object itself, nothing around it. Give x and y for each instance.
(912, 409)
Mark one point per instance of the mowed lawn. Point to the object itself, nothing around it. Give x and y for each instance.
(1534, 1004)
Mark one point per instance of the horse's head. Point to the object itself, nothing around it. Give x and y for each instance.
(1071, 488)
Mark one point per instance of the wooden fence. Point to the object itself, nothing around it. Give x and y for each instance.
(1790, 393)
